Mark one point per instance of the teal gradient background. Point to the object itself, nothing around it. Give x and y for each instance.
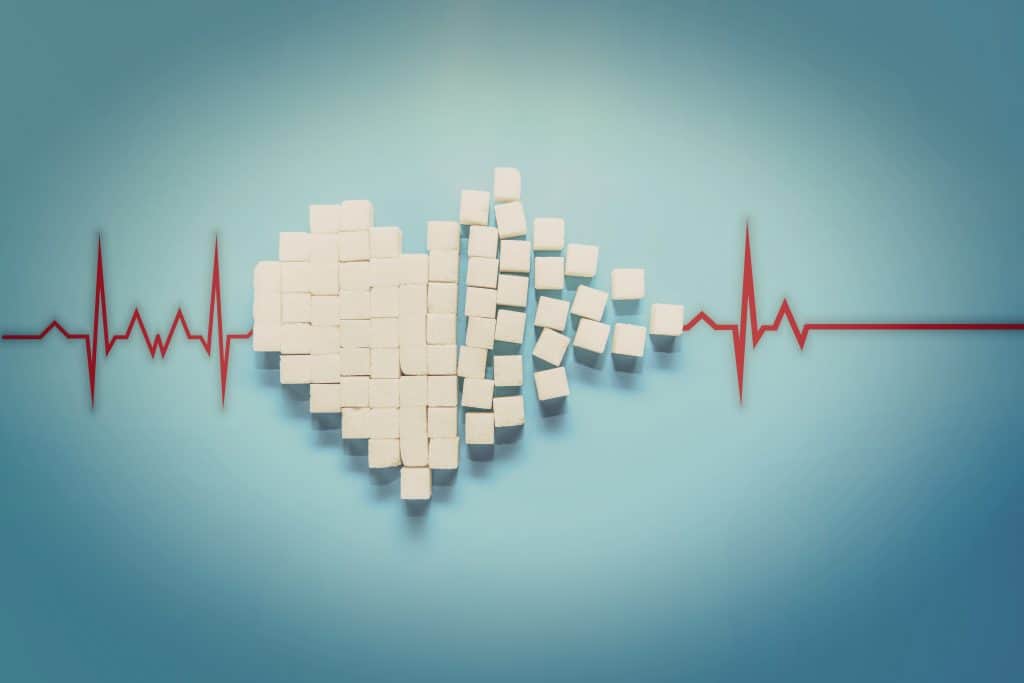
(857, 519)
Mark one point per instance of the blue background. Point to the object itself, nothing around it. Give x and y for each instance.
(857, 518)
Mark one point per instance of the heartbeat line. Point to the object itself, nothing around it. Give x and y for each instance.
(749, 327)
(154, 343)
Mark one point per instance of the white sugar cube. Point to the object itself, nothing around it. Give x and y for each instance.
(482, 272)
(549, 273)
(441, 328)
(483, 241)
(385, 242)
(481, 302)
(477, 393)
(296, 277)
(589, 302)
(295, 369)
(415, 483)
(627, 284)
(355, 392)
(551, 383)
(474, 207)
(444, 453)
(472, 362)
(551, 346)
(512, 290)
(629, 340)
(293, 246)
(581, 260)
(479, 429)
(667, 320)
(480, 332)
(383, 453)
(323, 249)
(551, 313)
(591, 335)
(443, 236)
(511, 219)
(353, 305)
(324, 217)
(266, 276)
(384, 333)
(413, 422)
(325, 367)
(324, 398)
(384, 302)
(507, 184)
(355, 423)
(510, 326)
(442, 390)
(266, 337)
(443, 266)
(384, 363)
(508, 371)
(385, 272)
(412, 391)
(325, 339)
(296, 338)
(515, 256)
(356, 214)
(412, 330)
(413, 360)
(354, 246)
(354, 276)
(442, 421)
(355, 334)
(266, 306)
(414, 451)
(442, 297)
(509, 411)
(354, 362)
(296, 308)
(441, 360)
(412, 299)
(323, 278)
(415, 269)
(548, 234)
(384, 423)
(324, 310)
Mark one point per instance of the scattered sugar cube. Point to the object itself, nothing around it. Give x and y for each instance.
(295, 369)
(325, 339)
(627, 284)
(412, 299)
(385, 272)
(354, 362)
(510, 326)
(441, 328)
(512, 290)
(385, 242)
(480, 332)
(551, 313)
(442, 390)
(383, 453)
(296, 338)
(266, 276)
(355, 392)
(354, 305)
(549, 273)
(356, 214)
(441, 360)
(442, 421)
(415, 483)
(384, 363)
(323, 310)
(511, 219)
(412, 391)
(481, 302)
(591, 335)
(384, 302)
(507, 184)
(384, 393)
(324, 217)
(296, 277)
(412, 330)
(551, 346)
(296, 308)
(354, 276)
(442, 297)
(384, 423)
(325, 367)
(266, 337)
(384, 333)
(483, 241)
(551, 383)
(355, 423)
(413, 360)
(508, 371)
(324, 398)
(415, 269)
(444, 453)
(443, 236)
(323, 249)
(474, 207)
(548, 234)
(472, 362)
(413, 423)
(509, 411)
(477, 393)
(667, 320)
(443, 266)
(581, 260)
(354, 246)
(323, 278)
(293, 246)
(629, 340)
(515, 256)
(479, 429)
(589, 302)
(355, 334)
(414, 451)
(482, 272)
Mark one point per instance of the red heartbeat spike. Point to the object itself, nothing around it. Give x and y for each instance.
(154, 344)
(748, 325)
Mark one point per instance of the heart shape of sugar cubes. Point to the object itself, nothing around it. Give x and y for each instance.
(373, 330)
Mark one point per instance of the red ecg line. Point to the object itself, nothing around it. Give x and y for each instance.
(154, 344)
(748, 324)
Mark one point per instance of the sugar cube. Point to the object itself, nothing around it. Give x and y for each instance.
(481, 302)
(508, 371)
(441, 328)
(354, 305)
(385, 272)
(295, 369)
(629, 340)
(296, 338)
(384, 423)
(356, 214)
(412, 330)
(383, 453)
(296, 276)
(483, 241)
(480, 332)
(355, 423)
(324, 217)
(507, 184)
(444, 453)
(509, 411)
(549, 273)
(414, 451)
(355, 361)
(441, 360)
(551, 313)
(443, 236)
(548, 234)
(512, 290)
(551, 346)
(296, 308)
(482, 272)
(551, 383)
(589, 302)
(442, 390)
(472, 362)
(266, 337)
(442, 421)
(511, 219)
(354, 276)
(293, 246)
(515, 256)
(442, 297)
(323, 249)
(591, 335)
(384, 302)
(510, 326)
(477, 393)
(325, 339)
(413, 422)
(354, 246)
(474, 207)
(323, 278)
(412, 299)
(324, 398)
(415, 269)
(627, 284)
(479, 429)
(581, 260)
(325, 367)
(324, 310)
(355, 334)
(384, 363)
(667, 320)
(384, 333)
(355, 392)
(412, 360)
(384, 393)
(412, 391)
(385, 242)
(443, 266)
(266, 306)
(266, 276)
(415, 483)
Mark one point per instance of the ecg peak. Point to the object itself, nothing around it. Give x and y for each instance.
(155, 343)
(749, 326)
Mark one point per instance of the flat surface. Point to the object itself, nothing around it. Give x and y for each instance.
(857, 519)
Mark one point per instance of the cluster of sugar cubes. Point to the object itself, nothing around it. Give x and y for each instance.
(373, 330)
